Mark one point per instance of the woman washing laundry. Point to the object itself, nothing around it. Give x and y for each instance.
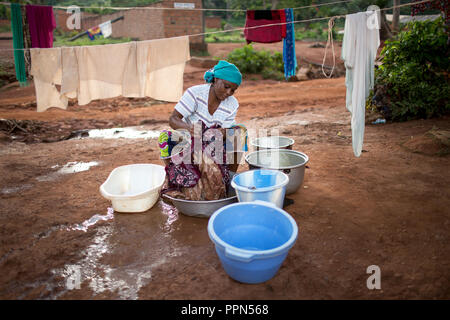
(211, 106)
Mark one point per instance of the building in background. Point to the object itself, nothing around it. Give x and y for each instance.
(147, 24)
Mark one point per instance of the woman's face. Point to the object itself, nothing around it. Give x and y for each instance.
(224, 89)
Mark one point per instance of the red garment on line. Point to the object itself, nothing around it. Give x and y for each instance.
(283, 20)
(42, 23)
(267, 34)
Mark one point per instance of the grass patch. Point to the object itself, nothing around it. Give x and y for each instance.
(198, 53)
(63, 40)
(224, 37)
(5, 28)
(250, 61)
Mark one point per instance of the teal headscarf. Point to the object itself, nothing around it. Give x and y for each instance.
(224, 70)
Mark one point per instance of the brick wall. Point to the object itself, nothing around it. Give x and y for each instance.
(147, 24)
(182, 22)
(213, 22)
(137, 23)
(61, 17)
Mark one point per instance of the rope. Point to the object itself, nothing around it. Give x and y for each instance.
(330, 39)
(266, 25)
(193, 9)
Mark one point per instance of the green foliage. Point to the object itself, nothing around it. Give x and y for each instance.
(221, 37)
(251, 61)
(414, 74)
(62, 39)
(5, 28)
(311, 33)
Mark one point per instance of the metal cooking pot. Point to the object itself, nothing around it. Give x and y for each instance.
(290, 162)
(202, 209)
(273, 142)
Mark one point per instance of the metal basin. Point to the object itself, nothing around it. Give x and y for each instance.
(202, 209)
(261, 184)
(273, 142)
(290, 162)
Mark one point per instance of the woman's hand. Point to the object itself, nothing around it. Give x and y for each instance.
(176, 122)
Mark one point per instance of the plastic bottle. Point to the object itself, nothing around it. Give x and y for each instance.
(379, 121)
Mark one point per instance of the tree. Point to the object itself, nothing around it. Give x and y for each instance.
(274, 4)
(395, 16)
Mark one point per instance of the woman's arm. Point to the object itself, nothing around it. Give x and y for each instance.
(176, 122)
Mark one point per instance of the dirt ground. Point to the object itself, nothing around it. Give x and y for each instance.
(388, 208)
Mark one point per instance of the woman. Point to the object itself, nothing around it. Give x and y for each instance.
(212, 103)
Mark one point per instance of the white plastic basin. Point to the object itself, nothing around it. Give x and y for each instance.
(134, 187)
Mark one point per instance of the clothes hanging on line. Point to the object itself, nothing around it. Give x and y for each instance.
(41, 21)
(93, 32)
(18, 45)
(289, 56)
(26, 40)
(152, 68)
(106, 28)
(160, 68)
(283, 32)
(359, 50)
(269, 34)
(46, 70)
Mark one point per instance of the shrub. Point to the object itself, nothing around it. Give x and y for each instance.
(251, 61)
(413, 81)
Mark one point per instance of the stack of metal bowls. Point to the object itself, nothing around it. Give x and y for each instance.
(275, 153)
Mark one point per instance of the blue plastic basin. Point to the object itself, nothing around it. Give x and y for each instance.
(261, 184)
(252, 239)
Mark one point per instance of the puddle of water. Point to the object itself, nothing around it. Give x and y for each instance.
(299, 122)
(15, 189)
(93, 220)
(171, 212)
(127, 133)
(125, 280)
(70, 167)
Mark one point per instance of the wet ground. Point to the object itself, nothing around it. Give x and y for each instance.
(59, 239)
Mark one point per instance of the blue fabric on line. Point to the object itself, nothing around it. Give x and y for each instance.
(289, 57)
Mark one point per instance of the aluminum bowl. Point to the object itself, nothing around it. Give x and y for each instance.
(273, 142)
(202, 209)
(290, 162)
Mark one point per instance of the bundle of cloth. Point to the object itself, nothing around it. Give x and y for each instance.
(206, 177)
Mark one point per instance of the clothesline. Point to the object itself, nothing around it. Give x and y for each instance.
(191, 9)
(266, 25)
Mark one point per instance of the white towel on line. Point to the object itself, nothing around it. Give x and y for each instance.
(106, 28)
(359, 50)
(152, 68)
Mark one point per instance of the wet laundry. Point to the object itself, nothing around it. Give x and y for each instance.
(97, 72)
(279, 28)
(359, 49)
(260, 18)
(94, 32)
(152, 68)
(41, 22)
(289, 56)
(205, 178)
(160, 67)
(106, 28)
(18, 44)
(46, 70)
